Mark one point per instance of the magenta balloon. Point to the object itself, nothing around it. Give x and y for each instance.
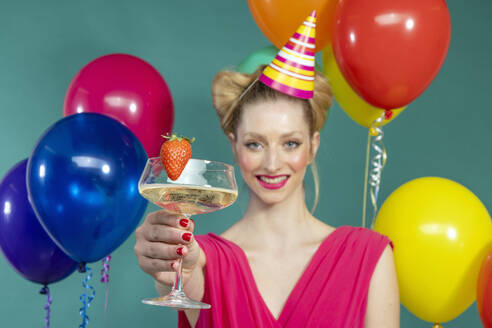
(127, 89)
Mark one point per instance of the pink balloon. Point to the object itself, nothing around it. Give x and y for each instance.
(127, 89)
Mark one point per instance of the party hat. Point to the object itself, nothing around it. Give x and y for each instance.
(292, 70)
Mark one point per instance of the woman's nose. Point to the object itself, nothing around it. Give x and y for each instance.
(272, 160)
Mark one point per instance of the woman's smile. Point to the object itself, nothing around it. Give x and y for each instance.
(272, 182)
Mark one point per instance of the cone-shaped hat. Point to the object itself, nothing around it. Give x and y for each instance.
(292, 70)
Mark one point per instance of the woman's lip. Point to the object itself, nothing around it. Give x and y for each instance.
(272, 176)
(272, 185)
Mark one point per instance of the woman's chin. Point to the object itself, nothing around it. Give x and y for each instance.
(270, 198)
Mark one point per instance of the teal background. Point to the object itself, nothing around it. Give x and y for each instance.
(43, 44)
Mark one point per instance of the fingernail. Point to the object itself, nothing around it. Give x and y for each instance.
(184, 222)
(186, 236)
(179, 250)
(172, 265)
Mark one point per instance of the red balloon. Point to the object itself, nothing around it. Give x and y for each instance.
(127, 89)
(484, 292)
(390, 50)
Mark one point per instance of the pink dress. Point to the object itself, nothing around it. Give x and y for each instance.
(332, 291)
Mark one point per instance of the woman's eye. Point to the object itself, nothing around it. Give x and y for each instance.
(292, 144)
(253, 145)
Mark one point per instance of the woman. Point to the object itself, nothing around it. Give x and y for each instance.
(274, 137)
(278, 266)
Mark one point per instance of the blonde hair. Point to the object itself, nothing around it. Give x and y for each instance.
(231, 91)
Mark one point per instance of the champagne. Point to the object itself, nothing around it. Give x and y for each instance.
(188, 199)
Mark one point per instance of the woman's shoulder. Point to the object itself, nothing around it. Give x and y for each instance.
(360, 235)
(354, 244)
(359, 249)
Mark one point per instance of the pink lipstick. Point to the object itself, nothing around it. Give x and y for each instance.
(272, 181)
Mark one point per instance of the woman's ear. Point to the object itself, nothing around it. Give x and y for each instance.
(315, 140)
(232, 141)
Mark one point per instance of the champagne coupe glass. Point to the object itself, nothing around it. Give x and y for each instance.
(203, 187)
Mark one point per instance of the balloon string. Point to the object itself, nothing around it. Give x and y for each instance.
(86, 299)
(377, 163)
(105, 278)
(366, 174)
(46, 291)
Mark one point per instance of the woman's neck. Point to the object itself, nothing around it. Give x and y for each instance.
(275, 226)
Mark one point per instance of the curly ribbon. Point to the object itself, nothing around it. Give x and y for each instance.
(46, 291)
(84, 298)
(374, 141)
(105, 278)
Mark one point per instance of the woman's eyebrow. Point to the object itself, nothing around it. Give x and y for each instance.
(262, 138)
(255, 135)
(290, 134)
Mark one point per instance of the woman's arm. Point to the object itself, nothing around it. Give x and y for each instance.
(383, 305)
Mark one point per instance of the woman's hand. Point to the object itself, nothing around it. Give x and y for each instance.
(161, 240)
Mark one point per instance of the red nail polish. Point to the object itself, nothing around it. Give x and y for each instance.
(184, 222)
(179, 250)
(186, 236)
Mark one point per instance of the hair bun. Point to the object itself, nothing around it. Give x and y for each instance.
(227, 87)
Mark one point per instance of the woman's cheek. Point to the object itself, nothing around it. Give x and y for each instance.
(299, 161)
(247, 162)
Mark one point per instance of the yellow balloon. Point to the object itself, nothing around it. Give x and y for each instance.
(441, 232)
(355, 107)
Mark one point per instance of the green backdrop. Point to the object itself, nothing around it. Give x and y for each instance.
(43, 44)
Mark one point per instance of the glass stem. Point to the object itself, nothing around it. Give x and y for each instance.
(178, 282)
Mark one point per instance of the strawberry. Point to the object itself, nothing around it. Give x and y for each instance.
(175, 153)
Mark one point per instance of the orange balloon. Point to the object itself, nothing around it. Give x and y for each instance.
(279, 19)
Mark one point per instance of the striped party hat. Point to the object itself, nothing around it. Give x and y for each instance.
(292, 70)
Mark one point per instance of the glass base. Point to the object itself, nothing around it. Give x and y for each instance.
(177, 300)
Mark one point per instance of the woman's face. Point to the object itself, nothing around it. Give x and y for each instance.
(273, 147)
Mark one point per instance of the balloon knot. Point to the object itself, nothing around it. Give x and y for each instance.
(44, 290)
(388, 114)
(81, 268)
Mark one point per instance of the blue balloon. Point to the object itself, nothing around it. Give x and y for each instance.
(82, 179)
(23, 241)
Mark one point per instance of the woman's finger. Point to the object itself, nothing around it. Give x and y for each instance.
(153, 266)
(164, 218)
(161, 251)
(166, 234)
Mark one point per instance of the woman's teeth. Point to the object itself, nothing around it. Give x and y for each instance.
(273, 180)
